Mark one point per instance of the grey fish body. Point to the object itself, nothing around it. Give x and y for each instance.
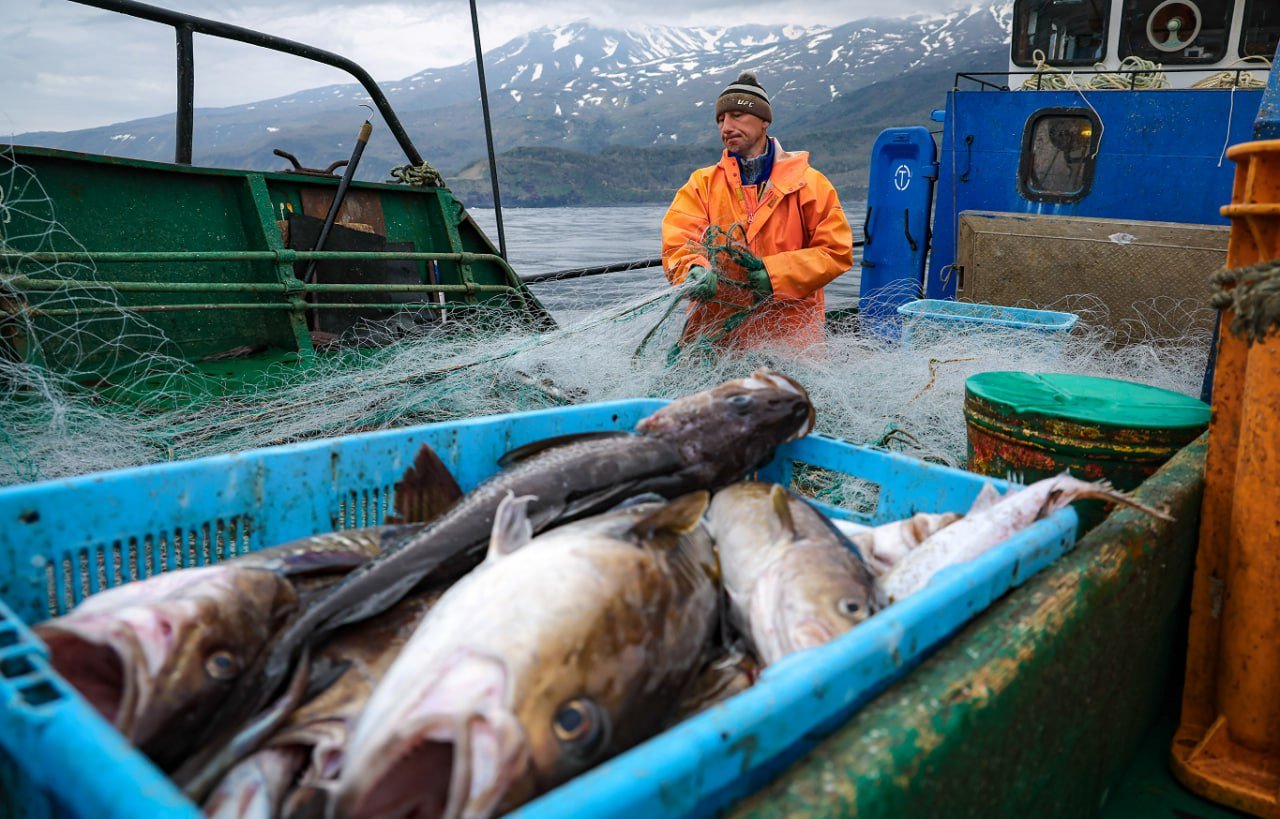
(729, 673)
(791, 581)
(156, 656)
(293, 771)
(328, 552)
(696, 442)
(505, 690)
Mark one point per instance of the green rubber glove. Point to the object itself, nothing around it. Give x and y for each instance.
(702, 283)
(758, 278)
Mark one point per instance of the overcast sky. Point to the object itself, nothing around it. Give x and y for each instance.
(64, 66)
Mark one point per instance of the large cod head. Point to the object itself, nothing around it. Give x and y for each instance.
(735, 427)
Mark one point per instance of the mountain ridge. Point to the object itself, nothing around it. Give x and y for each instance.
(581, 89)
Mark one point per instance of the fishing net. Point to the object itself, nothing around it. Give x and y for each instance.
(869, 384)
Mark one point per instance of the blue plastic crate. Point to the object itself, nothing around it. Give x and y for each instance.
(62, 540)
(926, 318)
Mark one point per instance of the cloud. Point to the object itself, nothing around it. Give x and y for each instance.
(67, 66)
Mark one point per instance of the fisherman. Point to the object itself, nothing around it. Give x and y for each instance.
(787, 234)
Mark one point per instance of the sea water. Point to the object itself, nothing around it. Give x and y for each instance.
(543, 240)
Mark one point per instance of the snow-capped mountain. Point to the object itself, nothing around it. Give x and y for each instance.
(582, 87)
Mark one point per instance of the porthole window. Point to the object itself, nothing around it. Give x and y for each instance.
(1176, 32)
(1261, 29)
(1066, 33)
(1059, 152)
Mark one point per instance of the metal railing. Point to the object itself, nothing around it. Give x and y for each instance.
(976, 77)
(185, 24)
(296, 290)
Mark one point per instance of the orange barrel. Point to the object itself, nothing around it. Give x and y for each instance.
(1227, 747)
(1035, 425)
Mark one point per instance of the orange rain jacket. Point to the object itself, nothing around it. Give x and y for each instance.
(796, 227)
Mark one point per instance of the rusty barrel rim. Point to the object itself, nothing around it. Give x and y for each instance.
(1084, 415)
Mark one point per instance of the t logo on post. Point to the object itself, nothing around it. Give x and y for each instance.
(902, 178)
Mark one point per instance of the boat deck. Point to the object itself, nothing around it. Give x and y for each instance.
(1148, 789)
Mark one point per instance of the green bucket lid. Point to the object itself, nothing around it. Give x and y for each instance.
(1090, 400)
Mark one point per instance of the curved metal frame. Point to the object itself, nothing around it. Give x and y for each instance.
(185, 24)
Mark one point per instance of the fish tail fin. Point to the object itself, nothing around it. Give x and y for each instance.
(681, 515)
(1103, 490)
(426, 490)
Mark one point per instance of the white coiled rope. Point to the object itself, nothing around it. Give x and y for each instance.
(1133, 73)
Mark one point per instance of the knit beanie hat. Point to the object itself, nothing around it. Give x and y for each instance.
(745, 95)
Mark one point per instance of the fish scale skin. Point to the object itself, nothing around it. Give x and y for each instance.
(780, 583)
(700, 441)
(979, 531)
(626, 629)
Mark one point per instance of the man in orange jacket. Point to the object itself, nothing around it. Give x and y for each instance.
(789, 216)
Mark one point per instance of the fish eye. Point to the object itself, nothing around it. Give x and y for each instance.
(848, 606)
(740, 402)
(222, 665)
(579, 725)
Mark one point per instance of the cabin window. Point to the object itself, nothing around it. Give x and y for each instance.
(1066, 32)
(1059, 148)
(1175, 32)
(1261, 31)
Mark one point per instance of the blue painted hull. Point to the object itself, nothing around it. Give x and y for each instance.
(1160, 158)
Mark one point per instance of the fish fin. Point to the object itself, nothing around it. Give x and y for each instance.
(426, 490)
(511, 526)
(987, 498)
(680, 516)
(857, 538)
(324, 673)
(783, 521)
(524, 453)
(329, 552)
(201, 773)
(642, 498)
(1103, 490)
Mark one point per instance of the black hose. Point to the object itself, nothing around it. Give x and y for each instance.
(361, 140)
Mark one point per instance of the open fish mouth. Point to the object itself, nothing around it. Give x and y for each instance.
(454, 755)
(104, 666)
(453, 770)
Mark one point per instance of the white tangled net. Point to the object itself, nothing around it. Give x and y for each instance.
(57, 421)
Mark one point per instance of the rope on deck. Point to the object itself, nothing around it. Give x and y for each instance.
(1253, 293)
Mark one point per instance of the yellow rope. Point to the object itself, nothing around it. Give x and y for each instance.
(1148, 75)
(1133, 73)
(1229, 79)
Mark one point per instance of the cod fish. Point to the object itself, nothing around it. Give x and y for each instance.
(792, 581)
(295, 769)
(550, 657)
(700, 441)
(884, 546)
(980, 530)
(156, 657)
(730, 672)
